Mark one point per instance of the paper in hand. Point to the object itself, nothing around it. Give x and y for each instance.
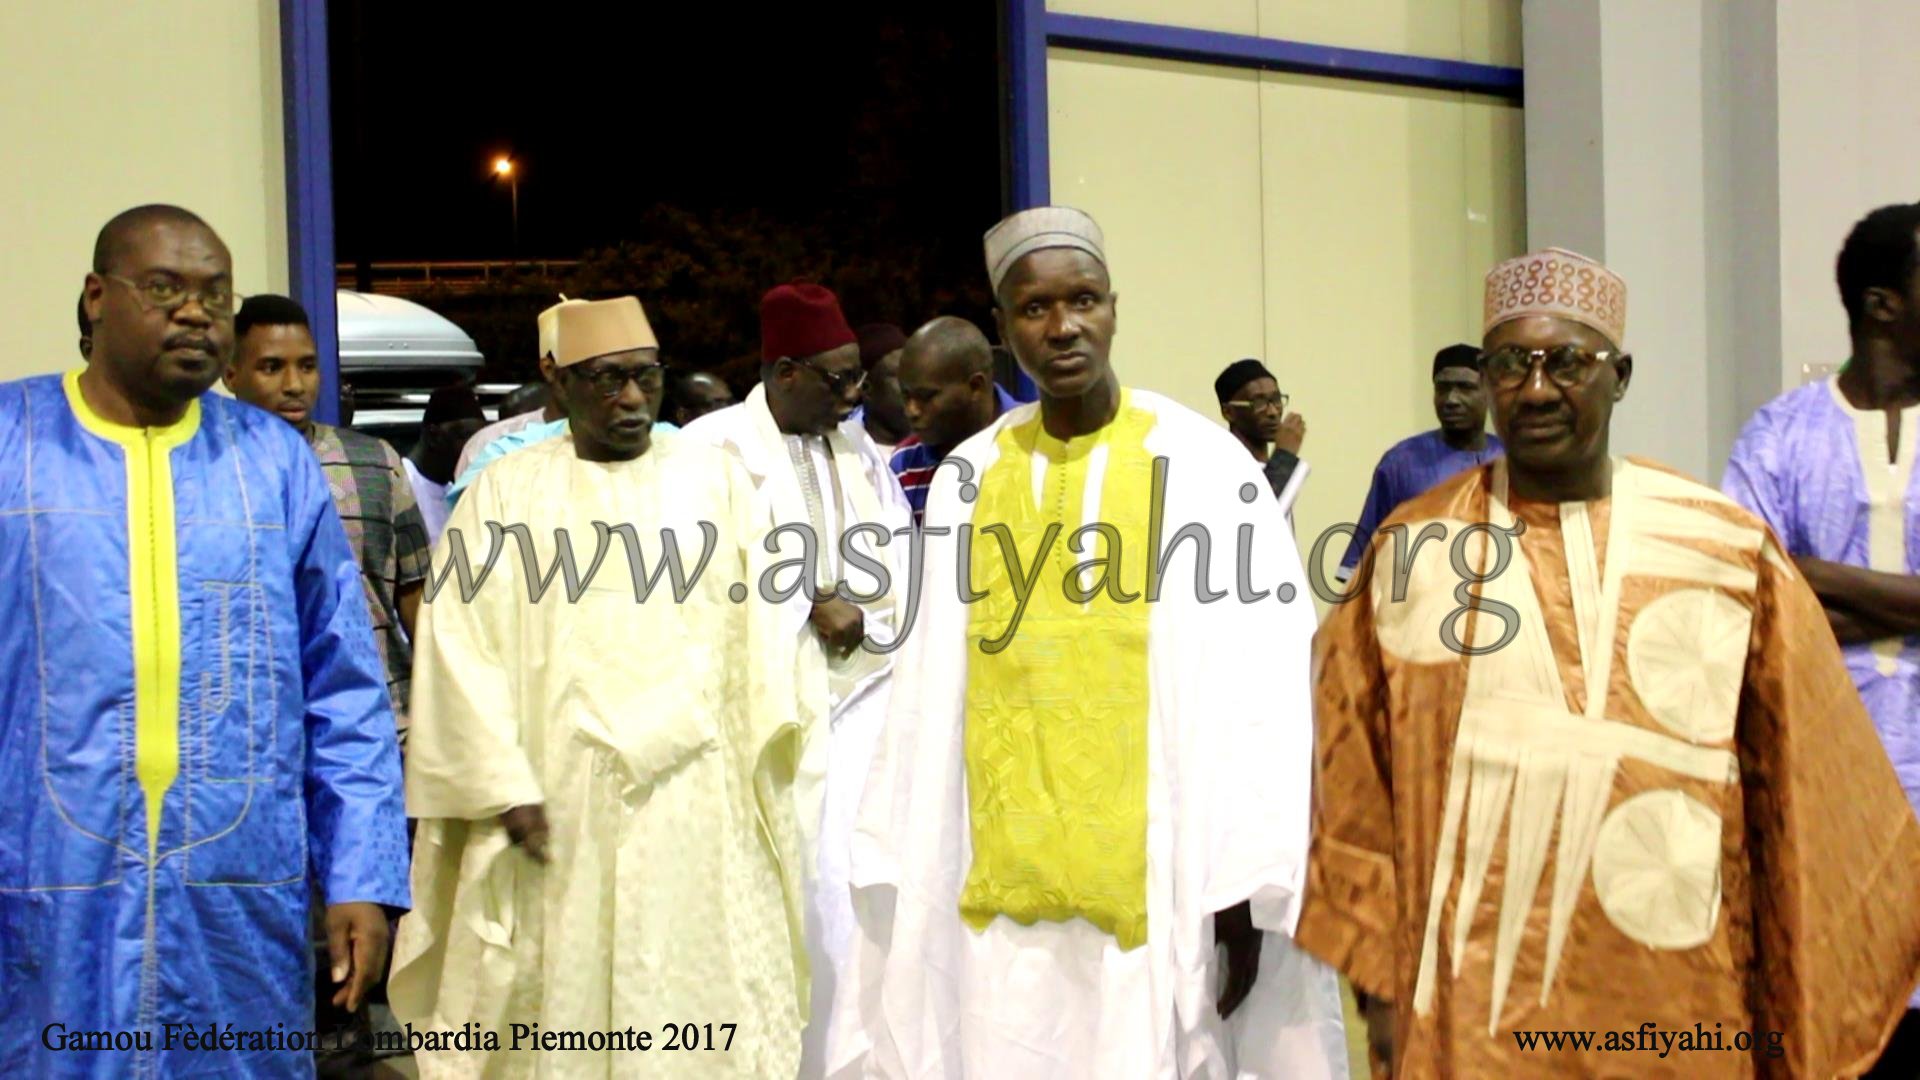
(1292, 491)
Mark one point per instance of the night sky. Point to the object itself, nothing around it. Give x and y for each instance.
(817, 113)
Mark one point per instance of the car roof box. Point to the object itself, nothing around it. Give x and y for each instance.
(386, 333)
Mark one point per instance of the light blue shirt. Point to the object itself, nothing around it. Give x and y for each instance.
(517, 440)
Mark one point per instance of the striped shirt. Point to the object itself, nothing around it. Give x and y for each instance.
(914, 461)
(388, 535)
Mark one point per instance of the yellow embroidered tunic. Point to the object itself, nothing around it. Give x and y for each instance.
(1056, 732)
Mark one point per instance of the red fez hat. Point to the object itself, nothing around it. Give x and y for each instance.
(877, 340)
(799, 320)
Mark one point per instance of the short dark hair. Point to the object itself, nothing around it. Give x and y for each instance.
(525, 398)
(451, 404)
(680, 385)
(113, 235)
(268, 309)
(1881, 252)
(953, 339)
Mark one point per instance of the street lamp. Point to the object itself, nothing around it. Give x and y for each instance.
(503, 167)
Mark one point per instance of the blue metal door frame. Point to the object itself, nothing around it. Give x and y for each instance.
(306, 100)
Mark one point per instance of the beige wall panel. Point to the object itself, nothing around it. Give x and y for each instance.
(1167, 158)
(1496, 163)
(1231, 16)
(1384, 209)
(1483, 31)
(111, 104)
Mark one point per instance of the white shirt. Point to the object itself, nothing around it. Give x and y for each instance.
(432, 499)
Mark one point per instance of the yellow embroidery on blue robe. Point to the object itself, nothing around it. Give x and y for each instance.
(153, 580)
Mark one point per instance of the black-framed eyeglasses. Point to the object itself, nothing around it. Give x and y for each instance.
(164, 292)
(838, 383)
(1273, 403)
(1567, 365)
(608, 381)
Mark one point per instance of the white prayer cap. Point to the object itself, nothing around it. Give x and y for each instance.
(590, 328)
(549, 321)
(1041, 227)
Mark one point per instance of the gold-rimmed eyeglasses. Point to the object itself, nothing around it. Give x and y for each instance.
(610, 380)
(1567, 365)
(164, 292)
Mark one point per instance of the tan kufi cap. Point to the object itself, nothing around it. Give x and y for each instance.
(549, 321)
(1041, 227)
(599, 327)
(1560, 283)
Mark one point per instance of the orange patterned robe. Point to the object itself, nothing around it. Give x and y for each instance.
(1715, 844)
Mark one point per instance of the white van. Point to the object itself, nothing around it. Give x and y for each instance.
(395, 354)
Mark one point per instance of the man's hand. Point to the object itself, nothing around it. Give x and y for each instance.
(407, 599)
(527, 827)
(1378, 1014)
(840, 624)
(1234, 931)
(357, 948)
(1293, 434)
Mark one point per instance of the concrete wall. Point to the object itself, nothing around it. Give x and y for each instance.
(1716, 155)
(111, 104)
(1849, 141)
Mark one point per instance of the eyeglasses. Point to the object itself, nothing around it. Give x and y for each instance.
(1567, 365)
(837, 383)
(1277, 403)
(610, 380)
(166, 293)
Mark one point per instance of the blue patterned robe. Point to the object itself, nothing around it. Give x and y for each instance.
(194, 730)
(1409, 468)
